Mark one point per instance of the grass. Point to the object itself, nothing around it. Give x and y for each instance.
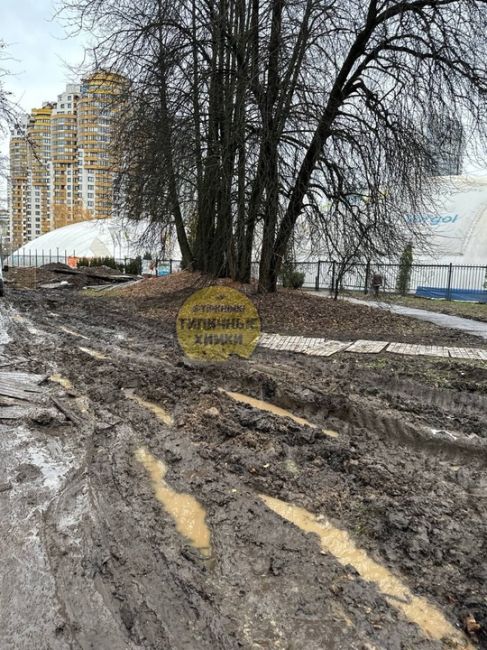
(474, 310)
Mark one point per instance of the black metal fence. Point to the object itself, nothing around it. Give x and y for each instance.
(442, 281)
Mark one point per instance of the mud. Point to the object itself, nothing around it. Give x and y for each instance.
(93, 559)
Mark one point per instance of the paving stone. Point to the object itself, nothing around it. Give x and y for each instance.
(467, 353)
(323, 348)
(327, 348)
(367, 347)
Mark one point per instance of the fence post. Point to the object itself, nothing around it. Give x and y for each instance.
(448, 289)
(317, 280)
(37, 265)
(170, 266)
(367, 276)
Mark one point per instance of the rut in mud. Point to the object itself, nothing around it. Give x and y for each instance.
(129, 438)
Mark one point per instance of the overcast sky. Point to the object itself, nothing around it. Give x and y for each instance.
(39, 49)
(41, 54)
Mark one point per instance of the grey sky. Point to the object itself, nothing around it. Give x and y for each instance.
(39, 51)
(40, 55)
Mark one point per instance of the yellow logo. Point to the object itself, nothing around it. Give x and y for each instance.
(217, 322)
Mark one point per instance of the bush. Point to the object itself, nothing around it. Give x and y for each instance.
(100, 261)
(292, 279)
(405, 268)
(134, 267)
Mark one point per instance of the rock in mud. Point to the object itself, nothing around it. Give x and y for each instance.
(212, 412)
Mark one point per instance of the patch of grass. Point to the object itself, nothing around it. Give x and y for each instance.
(474, 310)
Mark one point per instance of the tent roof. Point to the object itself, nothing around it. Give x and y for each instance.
(95, 238)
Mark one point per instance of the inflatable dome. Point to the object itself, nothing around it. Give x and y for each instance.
(95, 238)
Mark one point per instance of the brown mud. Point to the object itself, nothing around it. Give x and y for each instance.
(93, 559)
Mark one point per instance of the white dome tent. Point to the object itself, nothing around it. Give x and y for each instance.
(89, 239)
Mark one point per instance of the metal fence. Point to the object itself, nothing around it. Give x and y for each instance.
(442, 281)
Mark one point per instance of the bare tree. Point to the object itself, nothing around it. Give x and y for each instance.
(247, 115)
(8, 111)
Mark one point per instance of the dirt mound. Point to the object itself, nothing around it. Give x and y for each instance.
(294, 312)
(56, 266)
(50, 276)
(175, 283)
(99, 270)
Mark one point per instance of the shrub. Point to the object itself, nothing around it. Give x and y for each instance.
(291, 279)
(405, 268)
(134, 267)
(100, 261)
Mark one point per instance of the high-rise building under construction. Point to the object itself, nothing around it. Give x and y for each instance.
(61, 159)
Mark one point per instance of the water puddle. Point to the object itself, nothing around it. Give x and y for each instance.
(73, 333)
(188, 514)
(93, 353)
(341, 546)
(4, 337)
(62, 381)
(157, 410)
(29, 326)
(276, 410)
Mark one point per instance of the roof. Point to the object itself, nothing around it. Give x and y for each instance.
(94, 238)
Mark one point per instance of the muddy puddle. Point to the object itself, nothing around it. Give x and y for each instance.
(276, 410)
(62, 381)
(72, 332)
(94, 353)
(338, 543)
(4, 337)
(157, 410)
(187, 513)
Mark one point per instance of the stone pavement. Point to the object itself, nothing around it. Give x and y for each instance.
(318, 347)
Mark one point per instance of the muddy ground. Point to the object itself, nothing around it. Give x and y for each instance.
(91, 559)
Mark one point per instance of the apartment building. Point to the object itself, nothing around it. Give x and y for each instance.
(18, 186)
(61, 160)
(5, 225)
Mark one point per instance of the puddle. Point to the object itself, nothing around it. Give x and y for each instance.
(28, 325)
(276, 410)
(93, 353)
(157, 410)
(443, 433)
(188, 514)
(338, 543)
(73, 333)
(330, 432)
(62, 381)
(4, 337)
